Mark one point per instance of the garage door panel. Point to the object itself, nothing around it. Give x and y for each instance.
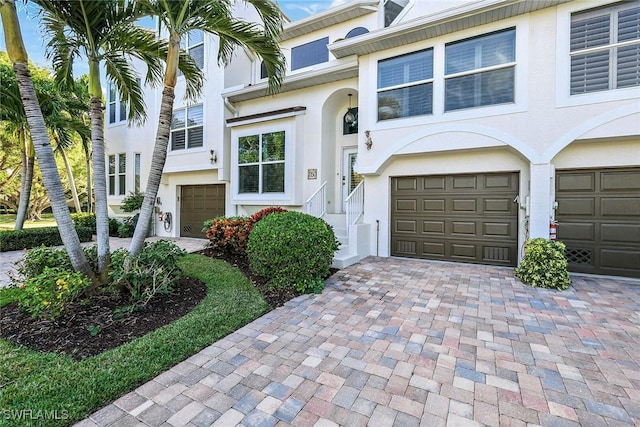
(620, 233)
(406, 205)
(577, 231)
(199, 203)
(573, 182)
(583, 206)
(410, 184)
(620, 181)
(607, 240)
(470, 218)
(406, 226)
(620, 206)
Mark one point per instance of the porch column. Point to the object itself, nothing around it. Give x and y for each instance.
(540, 199)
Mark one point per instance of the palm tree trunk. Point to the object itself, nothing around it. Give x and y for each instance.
(89, 183)
(25, 190)
(40, 137)
(155, 173)
(72, 181)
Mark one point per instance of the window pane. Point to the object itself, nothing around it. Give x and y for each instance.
(123, 110)
(392, 9)
(590, 72)
(273, 146)
(197, 53)
(248, 179)
(405, 69)
(489, 88)
(486, 51)
(122, 189)
(122, 163)
(273, 178)
(195, 137)
(112, 92)
(112, 112)
(196, 37)
(136, 168)
(112, 185)
(195, 116)
(112, 165)
(177, 140)
(589, 32)
(629, 25)
(628, 66)
(248, 147)
(405, 102)
(178, 119)
(311, 53)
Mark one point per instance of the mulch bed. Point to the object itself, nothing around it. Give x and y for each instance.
(71, 333)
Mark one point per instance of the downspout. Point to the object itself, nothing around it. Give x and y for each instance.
(232, 109)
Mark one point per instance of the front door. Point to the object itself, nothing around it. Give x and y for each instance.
(350, 178)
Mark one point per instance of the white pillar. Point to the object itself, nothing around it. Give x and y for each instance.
(540, 200)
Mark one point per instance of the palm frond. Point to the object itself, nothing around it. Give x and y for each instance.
(123, 76)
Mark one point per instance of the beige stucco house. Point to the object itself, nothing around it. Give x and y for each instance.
(446, 130)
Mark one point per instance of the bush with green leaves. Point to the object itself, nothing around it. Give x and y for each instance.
(544, 264)
(114, 224)
(47, 294)
(84, 219)
(292, 250)
(128, 226)
(41, 257)
(153, 271)
(132, 202)
(13, 240)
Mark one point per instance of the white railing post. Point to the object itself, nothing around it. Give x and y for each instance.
(355, 204)
(316, 205)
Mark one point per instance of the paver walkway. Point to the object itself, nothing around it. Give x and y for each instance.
(408, 342)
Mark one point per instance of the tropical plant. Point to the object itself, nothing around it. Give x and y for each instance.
(104, 32)
(213, 17)
(42, 145)
(544, 264)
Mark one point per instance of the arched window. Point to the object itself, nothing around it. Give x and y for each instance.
(356, 32)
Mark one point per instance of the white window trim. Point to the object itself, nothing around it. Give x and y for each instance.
(189, 46)
(116, 104)
(563, 67)
(116, 175)
(398, 18)
(186, 149)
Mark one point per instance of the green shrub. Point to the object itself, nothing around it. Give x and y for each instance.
(114, 224)
(292, 250)
(14, 240)
(41, 257)
(132, 202)
(127, 227)
(544, 265)
(48, 293)
(84, 219)
(266, 211)
(153, 271)
(229, 234)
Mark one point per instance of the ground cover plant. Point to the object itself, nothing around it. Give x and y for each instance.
(75, 387)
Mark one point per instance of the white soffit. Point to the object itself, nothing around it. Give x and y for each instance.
(451, 20)
(342, 13)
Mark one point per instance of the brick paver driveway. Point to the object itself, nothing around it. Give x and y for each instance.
(404, 342)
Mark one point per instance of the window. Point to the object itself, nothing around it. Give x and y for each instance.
(261, 165)
(393, 8)
(136, 173)
(117, 173)
(311, 53)
(193, 43)
(187, 128)
(605, 49)
(480, 71)
(356, 32)
(405, 85)
(117, 109)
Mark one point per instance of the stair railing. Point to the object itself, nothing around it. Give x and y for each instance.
(316, 205)
(355, 204)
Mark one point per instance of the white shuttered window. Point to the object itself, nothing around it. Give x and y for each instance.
(187, 128)
(605, 48)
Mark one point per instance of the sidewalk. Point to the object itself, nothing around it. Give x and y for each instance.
(8, 259)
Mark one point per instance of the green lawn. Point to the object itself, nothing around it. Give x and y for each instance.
(8, 222)
(47, 382)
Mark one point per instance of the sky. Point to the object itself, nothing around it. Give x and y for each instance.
(34, 37)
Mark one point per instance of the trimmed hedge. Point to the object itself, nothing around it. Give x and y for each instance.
(84, 219)
(15, 240)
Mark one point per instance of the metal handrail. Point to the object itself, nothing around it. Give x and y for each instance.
(316, 205)
(355, 204)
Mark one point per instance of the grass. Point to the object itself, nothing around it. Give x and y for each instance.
(36, 381)
(8, 222)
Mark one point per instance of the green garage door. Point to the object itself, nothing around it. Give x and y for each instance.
(468, 218)
(199, 203)
(599, 220)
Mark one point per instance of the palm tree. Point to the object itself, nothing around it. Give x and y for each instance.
(104, 32)
(42, 145)
(214, 17)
